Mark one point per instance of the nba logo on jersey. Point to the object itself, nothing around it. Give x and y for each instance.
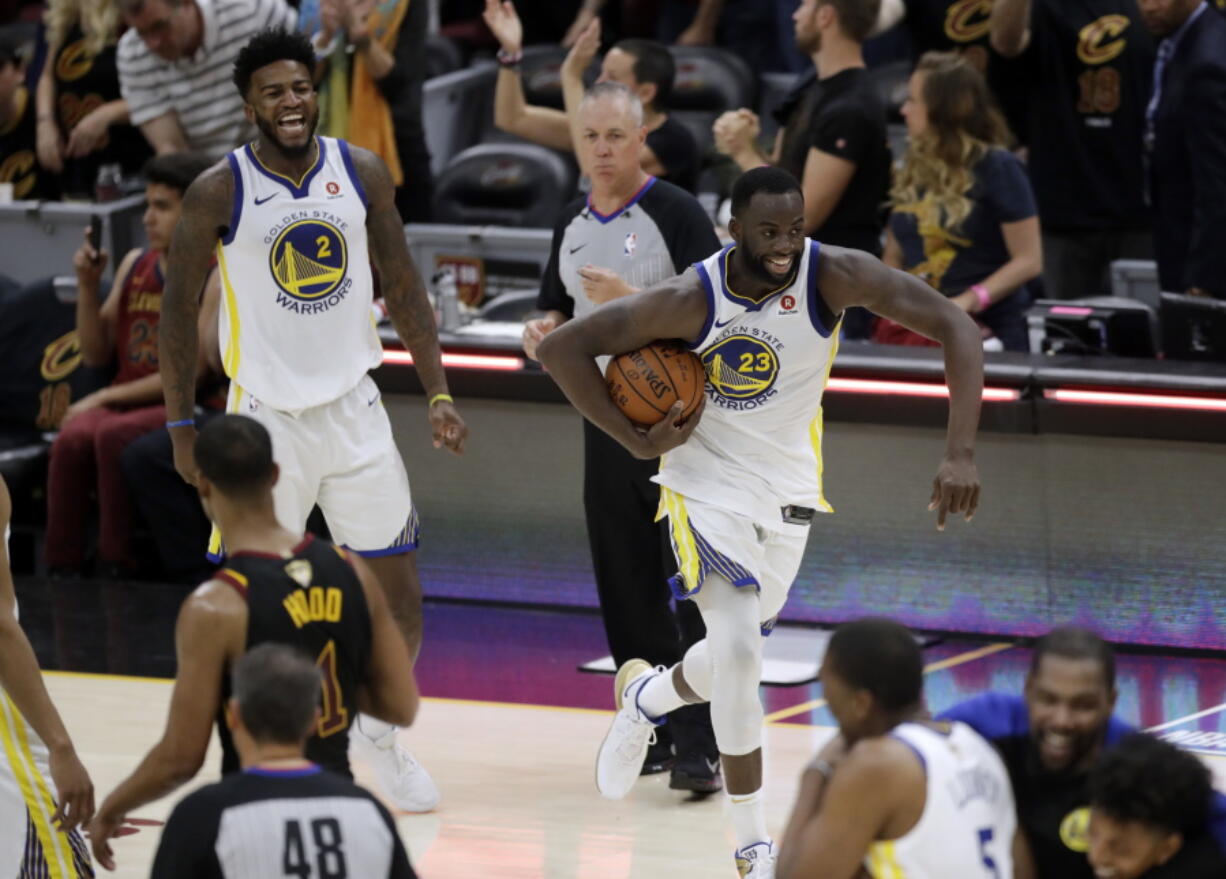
(632, 241)
(787, 304)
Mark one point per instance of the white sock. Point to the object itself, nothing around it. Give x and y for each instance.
(658, 696)
(381, 733)
(748, 818)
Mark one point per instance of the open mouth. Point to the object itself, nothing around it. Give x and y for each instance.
(779, 265)
(292, 124)
(1056, 747)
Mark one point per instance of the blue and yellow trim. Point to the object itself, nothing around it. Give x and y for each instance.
(696, 557)
(817, 428)
(299, 188)
(745, 301)
(230, 356)
(236, 210)
(347, 159)
(35, 792)
(882, 861)
(406, 540)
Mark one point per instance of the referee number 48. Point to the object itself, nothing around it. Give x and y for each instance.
(314, 855)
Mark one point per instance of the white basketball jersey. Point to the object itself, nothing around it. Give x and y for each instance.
(757, 448)
(296, 328)
(969, 818)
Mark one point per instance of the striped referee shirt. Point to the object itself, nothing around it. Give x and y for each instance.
(199, 89)
(265, 822)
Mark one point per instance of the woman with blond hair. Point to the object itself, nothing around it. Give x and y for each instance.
(82, 117)
(963, 214)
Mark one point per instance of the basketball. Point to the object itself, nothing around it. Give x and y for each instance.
(646, 383)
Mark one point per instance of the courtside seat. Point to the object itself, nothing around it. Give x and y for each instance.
(541, 70)
(709, 81)
(442, 56)
(508, 184)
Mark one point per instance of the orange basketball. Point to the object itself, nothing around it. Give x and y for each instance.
(646, 383)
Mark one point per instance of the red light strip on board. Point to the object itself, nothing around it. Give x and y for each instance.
(1147, 401)
(912, 389)
(462, 361)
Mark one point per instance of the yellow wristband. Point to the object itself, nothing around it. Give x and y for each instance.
(441, 398)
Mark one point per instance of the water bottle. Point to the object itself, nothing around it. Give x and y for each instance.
(448, 298)
(106, 187)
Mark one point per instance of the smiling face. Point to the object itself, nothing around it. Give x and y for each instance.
(1069, 702)
(770, 234)
(283, 104)
(1127, 849)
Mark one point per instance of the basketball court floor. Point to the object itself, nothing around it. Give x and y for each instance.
(509, 729)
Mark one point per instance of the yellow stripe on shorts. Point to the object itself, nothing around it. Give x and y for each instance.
(34, 791)
(688, 562)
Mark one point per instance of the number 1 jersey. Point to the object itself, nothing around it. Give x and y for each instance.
(313, 600)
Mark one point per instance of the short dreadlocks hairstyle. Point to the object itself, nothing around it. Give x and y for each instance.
(1144, 779)
(268, 47)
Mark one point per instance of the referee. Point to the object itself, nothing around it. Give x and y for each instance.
(630, 232)
(282, 815)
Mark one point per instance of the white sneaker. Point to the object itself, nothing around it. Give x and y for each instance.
(401, 778)
(620, 759)
(756, 861)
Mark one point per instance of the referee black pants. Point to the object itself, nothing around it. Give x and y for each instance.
(632, 559)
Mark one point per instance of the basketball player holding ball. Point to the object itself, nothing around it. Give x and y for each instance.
(741, 481)
(631, 231)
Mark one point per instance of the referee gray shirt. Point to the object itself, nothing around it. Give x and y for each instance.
(657, 234)
(199, 89)
(261, 823)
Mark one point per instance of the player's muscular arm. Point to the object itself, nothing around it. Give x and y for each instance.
(673, 309)
(207, 206)
(209, 634)
(405, 295)
(864, 796)
(850, 277)
(390, 689)
(22, 681)
(1010, 26)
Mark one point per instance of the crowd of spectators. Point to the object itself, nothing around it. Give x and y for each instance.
(1035, 143)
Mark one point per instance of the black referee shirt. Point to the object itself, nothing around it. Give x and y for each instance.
(259, 823)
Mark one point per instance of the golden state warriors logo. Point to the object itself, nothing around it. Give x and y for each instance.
(741, 370)
(1074, 830)
(1101, 41)
(968, 20)
(308, 259)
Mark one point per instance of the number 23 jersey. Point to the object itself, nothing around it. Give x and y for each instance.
(295, 326)
(757, 448)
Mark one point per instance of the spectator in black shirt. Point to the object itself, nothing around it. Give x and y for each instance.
(963, 213)
(833, 138)
(18, 137)
(1186, 134)
(1087, 67)
(1149, 813)
(643, 66)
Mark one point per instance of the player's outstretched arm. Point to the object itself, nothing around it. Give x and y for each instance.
(389, 691)
(673, 309)
(21, 679)
(207, 206)
(851, 277)
(860, 797)
(405, 295)
(210, 631)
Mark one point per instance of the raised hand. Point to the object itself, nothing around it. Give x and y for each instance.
(504, 24)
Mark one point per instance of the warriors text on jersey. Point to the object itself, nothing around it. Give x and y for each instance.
(757, 448)
(967, 826)
(295, 323)
(313, 600)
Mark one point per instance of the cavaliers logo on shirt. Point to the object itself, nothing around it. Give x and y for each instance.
(308, 260)
(968, 20)
(741, 370)
(1102, 40)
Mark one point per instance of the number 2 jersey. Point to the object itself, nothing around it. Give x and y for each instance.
(295, 822)
(295, 325)
(757, 448)
(312, 600)
(967, 826)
